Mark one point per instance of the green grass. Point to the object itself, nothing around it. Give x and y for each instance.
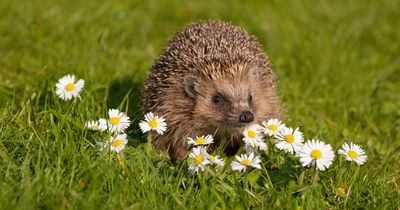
(338, 69)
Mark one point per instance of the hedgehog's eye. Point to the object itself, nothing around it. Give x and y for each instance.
(216, 99)
(250, 98)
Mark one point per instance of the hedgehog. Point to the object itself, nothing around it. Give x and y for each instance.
(212, 78)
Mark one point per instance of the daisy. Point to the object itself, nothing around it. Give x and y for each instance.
(272, 127)
(200, 160)
(118, 142)
(117, 121)
(245, 161)
(201, 140)
(289, 140)
(353, 152)
(253, 137)
(152, 122)
(340, 192)
(216, 160)
(66, 88)
(93, 125)
(316, 153)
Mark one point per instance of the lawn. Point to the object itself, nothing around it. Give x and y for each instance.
(338, 68)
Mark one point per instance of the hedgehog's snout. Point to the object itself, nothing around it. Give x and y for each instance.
(246, 117)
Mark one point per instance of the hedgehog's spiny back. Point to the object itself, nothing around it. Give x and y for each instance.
(206, 40)
(198, 46)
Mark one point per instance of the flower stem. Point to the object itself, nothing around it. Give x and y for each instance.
(316, 176)
(149, 146)
(268, 178)
(121, 162)
(353, 180)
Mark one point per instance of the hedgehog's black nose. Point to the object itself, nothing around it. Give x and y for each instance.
(246, 117)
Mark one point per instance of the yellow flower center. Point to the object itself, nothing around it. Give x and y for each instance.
(70, 87)
(246, 162)
(153, 123)
(289, 138)
(272, 127)
(212, 158)
(198, 160)
(200, 140)
(251, 134)
(352, 154)
(316, 154)
(114, 120)
(116, 143)
(341, 192)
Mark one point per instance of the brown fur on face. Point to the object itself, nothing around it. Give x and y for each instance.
(206, 60)
(239, 90)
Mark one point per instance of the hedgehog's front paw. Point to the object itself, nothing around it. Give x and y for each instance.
(177, 153)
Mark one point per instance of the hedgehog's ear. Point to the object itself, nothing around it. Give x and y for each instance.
(189, 83)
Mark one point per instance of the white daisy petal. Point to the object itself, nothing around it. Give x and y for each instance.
(103, 124)
(201, 140)
(353, 152)
(253, 137)
(272, 127)
(316, 153)
(216, 160)
(66, 88)
(200, 159)
(93, 125)
(118, 142)
(245, 161)
(289, 140)
(144, 126)
(152, 122)
(117, 121)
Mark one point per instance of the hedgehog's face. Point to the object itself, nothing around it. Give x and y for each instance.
(233, 101)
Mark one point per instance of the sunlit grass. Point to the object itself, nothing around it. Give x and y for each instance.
(338, 70)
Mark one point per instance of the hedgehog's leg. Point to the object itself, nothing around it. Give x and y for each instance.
(233, 147)
(177, 152)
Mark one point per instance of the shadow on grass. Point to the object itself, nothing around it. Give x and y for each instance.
(280, 177)
(125, 91)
